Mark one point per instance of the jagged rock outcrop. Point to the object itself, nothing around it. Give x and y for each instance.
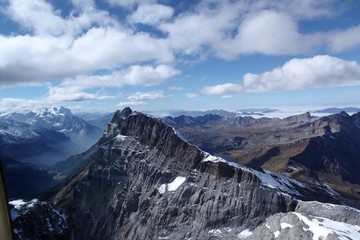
(39, 220)
(145, 182)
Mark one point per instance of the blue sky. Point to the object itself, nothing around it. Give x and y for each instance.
(158, 55)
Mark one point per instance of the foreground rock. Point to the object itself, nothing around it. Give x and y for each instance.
(38, 220)
(310, 220)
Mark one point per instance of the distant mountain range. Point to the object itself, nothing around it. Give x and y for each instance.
(31, 143)
(302, 146)
(257, 112)
(45, 136)
(338, 110)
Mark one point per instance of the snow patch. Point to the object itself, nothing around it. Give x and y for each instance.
(17, 203)
(285, 225)
(322, 227)
(175, 184)
(215, 232)
(211, 158)
(244, 234)
(20, 204)
(277, 233)
(120, 137)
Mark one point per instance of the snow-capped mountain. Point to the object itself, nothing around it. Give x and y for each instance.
(61, 120)
(45, 136)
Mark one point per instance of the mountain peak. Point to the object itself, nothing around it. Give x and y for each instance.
(53, 111)
(123, 114)
(126, 112)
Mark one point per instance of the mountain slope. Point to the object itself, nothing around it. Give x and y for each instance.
(39, 146)
(24, 181)
(146, 182)
(302, 146)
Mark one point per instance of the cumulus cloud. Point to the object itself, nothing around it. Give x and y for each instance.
(64, 47)
(229, 29)
(143, 96)
(318, 71)
(151, 14)
(74, 89)
(209, 23)
(191, 95)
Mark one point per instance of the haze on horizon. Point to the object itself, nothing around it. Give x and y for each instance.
(158, 55)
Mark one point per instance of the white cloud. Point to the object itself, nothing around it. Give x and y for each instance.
(226, 88)
(270, 33)
(344, 40)
(131, 103)
(191, 95)
(36, 15)
(143, 96)
(58, 96)
(129, 3)
(209, 23)
(229, 29)
(19, 104)
(151, 14)
(82, 43)
(74, 89)
(301, 9)
(318, 71)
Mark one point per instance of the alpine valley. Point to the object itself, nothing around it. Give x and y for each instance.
(32, 142)
(213, 176)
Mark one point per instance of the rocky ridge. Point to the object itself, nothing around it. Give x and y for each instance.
(145, 182)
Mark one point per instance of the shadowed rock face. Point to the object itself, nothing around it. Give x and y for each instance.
(145, 182)
(22, 180)
(337, 151)
(39, 220)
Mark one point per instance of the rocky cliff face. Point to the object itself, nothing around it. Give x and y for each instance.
(145, 182)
